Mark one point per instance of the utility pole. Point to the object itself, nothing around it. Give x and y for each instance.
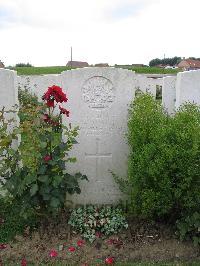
(71, 57)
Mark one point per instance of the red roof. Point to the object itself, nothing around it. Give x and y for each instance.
(193, 63)
(77, 64)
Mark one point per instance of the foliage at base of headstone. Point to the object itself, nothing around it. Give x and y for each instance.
(11, 223)
(189, 227)
(164, 163)
(35, 174)
(92, 222)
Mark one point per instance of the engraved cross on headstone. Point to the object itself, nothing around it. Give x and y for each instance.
(98, 156)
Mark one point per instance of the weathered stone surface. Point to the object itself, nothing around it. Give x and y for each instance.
(98, 101)
(147, 85)
(8, 89)
(38, 84)
(169, 94)
(188, 87)
(9, 98)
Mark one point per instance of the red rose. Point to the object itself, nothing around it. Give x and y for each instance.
(23, 262)
(47, 158)
(64, 111)
(109, 260)
(54, 93)
(71, 249)
(80, 243)
(50, 103)
(3, 246)
(53, 253)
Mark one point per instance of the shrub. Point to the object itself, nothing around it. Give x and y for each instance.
(11, 223)
(189, 227)
(37, 176)
(92, 221)
(149, 158)
(164, 163)
(30, 110)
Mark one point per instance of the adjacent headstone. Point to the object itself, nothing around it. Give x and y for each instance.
(9, 96)
(146, 85)
(8, 89)
(169, 94)
(98, 101)
(38, 84)
(188, 87)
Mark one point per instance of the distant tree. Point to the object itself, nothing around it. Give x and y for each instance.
(23, 65)
(166, 61)
(194, 58)
(155, 62)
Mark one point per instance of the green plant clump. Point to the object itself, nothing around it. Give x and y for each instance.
(11, 223)
(164, 164)
(91, 221)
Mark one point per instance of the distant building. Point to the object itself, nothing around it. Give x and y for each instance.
(189, 64)
(77, 64)
(102, 65)
(161, 66)
(138, 65)
(1, 64)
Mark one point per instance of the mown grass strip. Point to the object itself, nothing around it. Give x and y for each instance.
(59, 69)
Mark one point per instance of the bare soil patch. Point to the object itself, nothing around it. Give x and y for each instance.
(142, 242)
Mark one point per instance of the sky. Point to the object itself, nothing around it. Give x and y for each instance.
(41, 32)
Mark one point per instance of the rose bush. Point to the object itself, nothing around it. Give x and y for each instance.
(42, 182)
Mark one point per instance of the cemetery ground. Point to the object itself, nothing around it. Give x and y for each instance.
(59, 69)
(54, 243)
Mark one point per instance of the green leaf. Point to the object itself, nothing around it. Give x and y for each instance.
(57, 180)
(54, 202)
(71, 160)
(34, 189)
(80, 176)
(42, 169)
(43, 178)
(74, 141)
(43, 145)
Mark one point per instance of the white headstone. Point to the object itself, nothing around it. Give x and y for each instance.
(38, 84)
(8, 89)
(169, 94)
(9, 97)
(188, 87)
(98, 102)
(145, 84)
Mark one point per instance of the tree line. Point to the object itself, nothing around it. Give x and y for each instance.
(168, 61)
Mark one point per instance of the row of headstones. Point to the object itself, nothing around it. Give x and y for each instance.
(37, 84)
(98, 101)
(176, 90)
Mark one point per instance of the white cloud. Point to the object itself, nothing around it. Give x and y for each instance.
(116, 31)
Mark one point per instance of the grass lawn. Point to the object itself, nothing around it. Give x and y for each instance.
(59, 69)
(40, 70)
(154, 70)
